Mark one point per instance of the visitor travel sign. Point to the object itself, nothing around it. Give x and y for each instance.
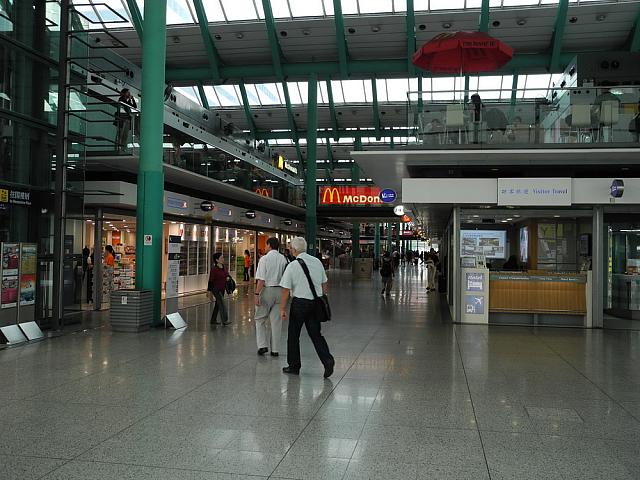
(350, 195)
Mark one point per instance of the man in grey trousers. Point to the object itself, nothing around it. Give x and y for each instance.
(268, 291)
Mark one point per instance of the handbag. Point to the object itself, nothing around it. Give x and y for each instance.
(230, 286)
(321, 304)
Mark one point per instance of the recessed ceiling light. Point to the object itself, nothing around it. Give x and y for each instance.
(504, 221)
(601, 17)
(509, 219)
(476, 216)
(517, 216)
(376, 28)
(521, 21)
(573, 19)
(239, 35)
(556, 216)
(446, 25)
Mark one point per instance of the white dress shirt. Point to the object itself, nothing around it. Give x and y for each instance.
(270, 268)
(295, 280)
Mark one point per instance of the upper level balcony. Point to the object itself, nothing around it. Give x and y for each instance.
(582, 117)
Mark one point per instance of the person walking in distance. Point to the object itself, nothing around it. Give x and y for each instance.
(268, 292)
(247, 265)
(217, 283)
(386, 272)
(123, 118)
(294, 283)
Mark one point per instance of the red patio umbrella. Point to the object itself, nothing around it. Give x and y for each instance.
(462, 52)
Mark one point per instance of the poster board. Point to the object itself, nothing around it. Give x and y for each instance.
(474, 306)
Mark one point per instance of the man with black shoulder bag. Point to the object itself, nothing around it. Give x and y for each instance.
(306, 282)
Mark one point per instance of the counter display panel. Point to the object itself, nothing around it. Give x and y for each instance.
(488, 243)
(538, 293)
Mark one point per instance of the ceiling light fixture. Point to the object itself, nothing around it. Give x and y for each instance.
(521, 22)
(375, 28)
(239, 35)
(601, 17)
(446, 25)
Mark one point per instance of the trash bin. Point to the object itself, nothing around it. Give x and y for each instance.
(131, 310)
(362, 268)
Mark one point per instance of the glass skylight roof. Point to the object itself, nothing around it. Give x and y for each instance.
(100, 13)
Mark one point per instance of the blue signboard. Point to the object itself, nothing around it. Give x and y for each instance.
(388, 196)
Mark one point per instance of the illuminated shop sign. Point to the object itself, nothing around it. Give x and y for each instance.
(15, 197)
(178, 203)
(264, 192)
(344, 195)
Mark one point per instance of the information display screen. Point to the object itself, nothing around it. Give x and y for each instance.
(490, 243)
(524, 245)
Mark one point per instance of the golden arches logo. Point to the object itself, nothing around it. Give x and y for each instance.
(263, 192)
(330, 192)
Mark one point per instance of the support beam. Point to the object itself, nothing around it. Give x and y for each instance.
(149, 237)
(359, 68)
(332, 111)
(212, 53)
(203, 96)
(355, 240)
(634, 45)
(311, 188)
(341, 39)
(483, 22)
(276, 52)
(411, 37)
(136, 17)
(558, 35)
(247, 110)
(514, 96)
(292, 123)
(376, 109)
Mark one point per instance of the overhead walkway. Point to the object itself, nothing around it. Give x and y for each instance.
(412, 397)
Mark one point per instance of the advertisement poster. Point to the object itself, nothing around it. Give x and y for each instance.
(474, 304)
(27, 289)
(490, 243)
(173, 265)
(9, 296)
(475, 282)
(28, 259)
(10, 259)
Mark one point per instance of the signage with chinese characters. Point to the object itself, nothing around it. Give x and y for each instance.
(15, 197)
(534, 191)
(350, 195)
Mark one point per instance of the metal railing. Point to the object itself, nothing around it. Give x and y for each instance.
(580, 116)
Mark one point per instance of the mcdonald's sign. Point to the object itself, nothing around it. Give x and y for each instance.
(264, 192)
(349, 195)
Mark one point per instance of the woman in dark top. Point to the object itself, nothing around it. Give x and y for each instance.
(217, 283)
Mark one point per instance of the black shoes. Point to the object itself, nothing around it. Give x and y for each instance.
(262, 351)
(328, 368)
(274, 354)
(291, 370)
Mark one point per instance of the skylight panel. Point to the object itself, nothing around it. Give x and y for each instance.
(490, 86)
(88, 14)
(212, 97)
(252, 95)
(376, 6)
(280, 8)
(446, 4)
(349, 7)
(213, 10)
(353, 91)
(190, 93)
(268, 94)
(368, 91)
(474, 4)
(227, 95)
(294, 93)
(399, 5)
(239, 10)
(515, 3)
(397, 89)
(109, 17)
(323, 92)
(381, 87)
(306, 8)
(421, 5)
(178, 12)
(336, 88)
(304, 92)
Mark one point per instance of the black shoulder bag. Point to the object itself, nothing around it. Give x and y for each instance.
(321, 304)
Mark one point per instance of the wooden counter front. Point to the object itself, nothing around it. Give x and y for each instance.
(537, 293)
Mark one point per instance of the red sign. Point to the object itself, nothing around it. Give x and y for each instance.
(350, 195)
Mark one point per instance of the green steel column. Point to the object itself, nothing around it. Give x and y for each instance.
(311, 220)
(149, 239)
(389, 237)
(376, 241)
(355, 240)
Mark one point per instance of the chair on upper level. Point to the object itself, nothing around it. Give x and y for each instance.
(581, 122)
(609, 116)
(454, 120)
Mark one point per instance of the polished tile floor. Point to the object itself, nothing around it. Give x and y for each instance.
(413, 397)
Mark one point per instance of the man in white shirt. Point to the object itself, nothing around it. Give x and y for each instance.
(294, 282)
(268, 275)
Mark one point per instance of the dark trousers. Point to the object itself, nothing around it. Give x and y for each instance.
(302, 313)
(220, 307)
(246, 274)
